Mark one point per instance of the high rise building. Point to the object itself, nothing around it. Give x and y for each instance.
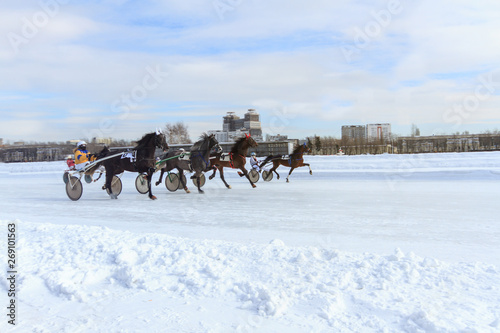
(353, 132)
(234, 127)
(378, 132)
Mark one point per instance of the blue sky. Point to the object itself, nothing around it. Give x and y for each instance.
(117, 68)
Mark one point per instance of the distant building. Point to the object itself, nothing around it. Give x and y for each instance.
(73, 142)
(353, 132)
(378, 132)
(277, 137)
(448, 143)
(31, 154)
(234, 127)
(103, 141)
(221, 136)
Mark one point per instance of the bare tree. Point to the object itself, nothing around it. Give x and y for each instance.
(177, 133)
(415, 131)
(317, 144)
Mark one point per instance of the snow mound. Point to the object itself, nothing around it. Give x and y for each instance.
(305, 287)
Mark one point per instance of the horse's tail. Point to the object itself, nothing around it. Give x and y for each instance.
(267, 160)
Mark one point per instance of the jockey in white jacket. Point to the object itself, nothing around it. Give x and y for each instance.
(254, 162)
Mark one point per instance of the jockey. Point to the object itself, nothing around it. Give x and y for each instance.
(70, 162)
(82, 156)
(254, 162)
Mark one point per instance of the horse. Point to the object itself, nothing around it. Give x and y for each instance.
(237, 159)
(294, 160)
(140, 159)
(200, 156)
(174, 161)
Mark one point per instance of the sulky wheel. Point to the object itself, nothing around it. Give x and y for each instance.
(116, 186)
(141, 183)
(65, 177)
(254, 176)
(74, 188)
(202, 180)
(267, 175)
(172, 182)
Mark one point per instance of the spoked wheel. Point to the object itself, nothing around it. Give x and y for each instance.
(172, 182)
(202, 180)
(254, 176)
(141, 183)
(74, 188)
(267, 175)
(116, 186)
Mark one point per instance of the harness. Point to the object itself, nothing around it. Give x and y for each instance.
(296, 159)
(200, 154)
(231, 159)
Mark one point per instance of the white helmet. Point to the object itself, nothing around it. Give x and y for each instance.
(253, 153)
(81, 143)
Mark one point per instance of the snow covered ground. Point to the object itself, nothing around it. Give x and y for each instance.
(389, 243)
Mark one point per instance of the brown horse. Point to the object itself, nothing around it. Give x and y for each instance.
(236, 159)
(293, 161)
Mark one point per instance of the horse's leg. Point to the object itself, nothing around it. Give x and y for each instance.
(310, 171)
(221, 173)
(275, 166)
(161, 177)
(109, 178)
(213, 174)
(291, 169)
(181, 174)
(245, 173)
(198, 182)
(150, 176)
(98, 177)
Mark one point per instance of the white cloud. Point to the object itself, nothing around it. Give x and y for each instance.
(268, 54)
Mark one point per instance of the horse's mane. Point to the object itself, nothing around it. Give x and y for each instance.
(144, 140)
(197, 145)
(104, 151)
(297, 149)
(237, 145)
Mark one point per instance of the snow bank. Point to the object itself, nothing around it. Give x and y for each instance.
(299, 288)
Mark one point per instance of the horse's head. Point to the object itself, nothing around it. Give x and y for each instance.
(306, 148)
(103, 153)
(251, 142)
(214, 143)
(161, 141)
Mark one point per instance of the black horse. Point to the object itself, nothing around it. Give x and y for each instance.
(140, 159)
(200, 156)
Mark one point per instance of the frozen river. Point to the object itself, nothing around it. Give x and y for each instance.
(391, 243)
(440, 205)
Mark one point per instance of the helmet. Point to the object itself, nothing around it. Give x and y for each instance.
(253, 153)
(81, 143)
